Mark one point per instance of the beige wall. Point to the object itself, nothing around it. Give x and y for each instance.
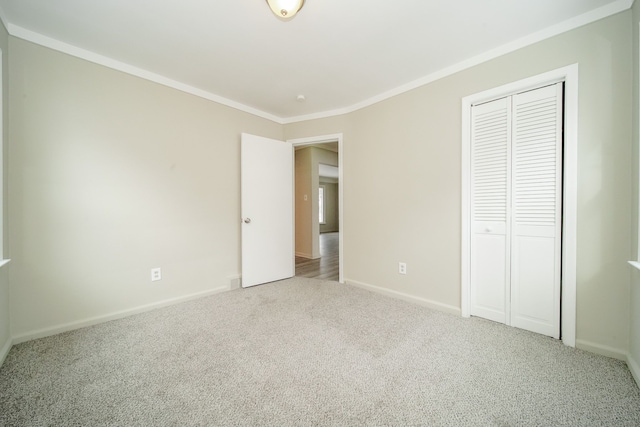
(307, 212)
(5, 318)
(634, 320)
(109, 176)
(304, 241)
(416, 138)
(331, 217)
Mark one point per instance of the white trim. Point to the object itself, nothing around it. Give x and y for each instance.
(636, 104)
(4, 262)
(634, 367)
(569, 75)
(570, 206)
(562, 27)
(446, 308)
(235, 281)
(305, 255)
(65, 327)
(319, 140)
(5, 350)
(96, 58)
(603, 350)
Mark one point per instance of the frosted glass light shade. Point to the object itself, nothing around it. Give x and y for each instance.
(285, 8)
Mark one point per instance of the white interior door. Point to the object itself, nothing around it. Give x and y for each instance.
(267, 210)
(490, 181)
(516, 210)
(537, 210)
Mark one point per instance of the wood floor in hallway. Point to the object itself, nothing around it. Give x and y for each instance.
(327, 267)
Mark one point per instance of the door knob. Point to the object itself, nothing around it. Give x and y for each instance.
(488, 229)
(247, 220)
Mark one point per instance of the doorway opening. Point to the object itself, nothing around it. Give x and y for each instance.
(318, 207)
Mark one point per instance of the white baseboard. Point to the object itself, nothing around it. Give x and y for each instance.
(603, 350)
(307, 256)
(235, 282)
(303, 255)
(615, 353)
(406, 297)
(5, 350)
(634, 368)
(54, 330)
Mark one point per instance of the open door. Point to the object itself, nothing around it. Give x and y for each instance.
(267, 210)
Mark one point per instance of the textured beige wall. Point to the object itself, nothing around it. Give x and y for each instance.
(5, 317)
(331, 222)
(304, 241)
(109, 176)
(415, 137)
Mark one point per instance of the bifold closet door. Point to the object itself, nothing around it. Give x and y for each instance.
(537, 210)
(490, 186)
(516, 202)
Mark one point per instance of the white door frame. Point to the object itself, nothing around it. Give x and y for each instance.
(319, 140)
(569, 75)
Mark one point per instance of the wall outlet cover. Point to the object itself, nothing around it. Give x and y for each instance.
(402, 267)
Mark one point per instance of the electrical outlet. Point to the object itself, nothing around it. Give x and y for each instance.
(156, 274)
(402, 267)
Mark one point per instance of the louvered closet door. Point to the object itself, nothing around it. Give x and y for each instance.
(490, 159)
(536, 210)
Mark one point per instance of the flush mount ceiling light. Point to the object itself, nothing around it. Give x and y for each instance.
(285, 9)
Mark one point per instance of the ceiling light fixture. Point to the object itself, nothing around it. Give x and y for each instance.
(285, 9)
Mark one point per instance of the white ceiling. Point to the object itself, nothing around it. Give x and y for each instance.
(339, 54)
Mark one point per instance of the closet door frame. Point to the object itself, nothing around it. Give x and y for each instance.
(568, 75)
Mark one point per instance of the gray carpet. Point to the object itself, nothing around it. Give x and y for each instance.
(307, 352)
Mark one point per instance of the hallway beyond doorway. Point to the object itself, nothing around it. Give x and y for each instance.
(327, 266)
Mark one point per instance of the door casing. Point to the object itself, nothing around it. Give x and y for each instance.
(319, 140)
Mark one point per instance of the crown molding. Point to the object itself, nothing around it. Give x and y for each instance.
(568, 25)
(563, 27)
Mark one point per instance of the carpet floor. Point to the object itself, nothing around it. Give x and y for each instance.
(309, 352)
